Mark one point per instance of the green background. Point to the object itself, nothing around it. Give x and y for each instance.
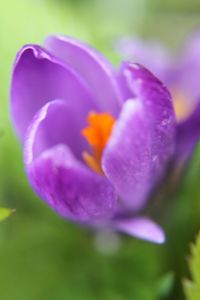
(44, 257)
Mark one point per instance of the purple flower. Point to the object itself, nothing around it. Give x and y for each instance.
(96, 140)
(181, 75)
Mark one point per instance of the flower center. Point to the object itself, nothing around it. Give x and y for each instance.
(181, 104)
(97, 134)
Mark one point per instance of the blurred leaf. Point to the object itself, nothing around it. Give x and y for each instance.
(182, 222)
(5, 212)
(192, 288)
(165, 285)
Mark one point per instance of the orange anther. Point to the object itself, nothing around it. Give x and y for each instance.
(97, 133)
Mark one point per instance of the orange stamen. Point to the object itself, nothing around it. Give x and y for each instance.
(97, 133)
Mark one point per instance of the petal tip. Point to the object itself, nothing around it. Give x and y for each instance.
(142, 228)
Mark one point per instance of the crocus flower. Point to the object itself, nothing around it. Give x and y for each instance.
(96, 140)
(181, 75)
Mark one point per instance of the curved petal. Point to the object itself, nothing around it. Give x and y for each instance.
(69, 188)
(38, 78)
(127, 157)
(159, 111)
(92, 66)
(141, 228)
(57, 122)
(58, 177)
(143, 139)
(188, 135)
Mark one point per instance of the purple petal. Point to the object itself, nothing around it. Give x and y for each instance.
(93, 67)
(159, 112)
(58, 177)
(38, 78)
(143, 139)
(141, 228)
(70, 188)
(188, 135)
(57, 122)
(127, 157)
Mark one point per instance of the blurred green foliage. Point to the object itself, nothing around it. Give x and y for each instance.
(183, 222)
(5, 212)
(41, 255)
(192, 288)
